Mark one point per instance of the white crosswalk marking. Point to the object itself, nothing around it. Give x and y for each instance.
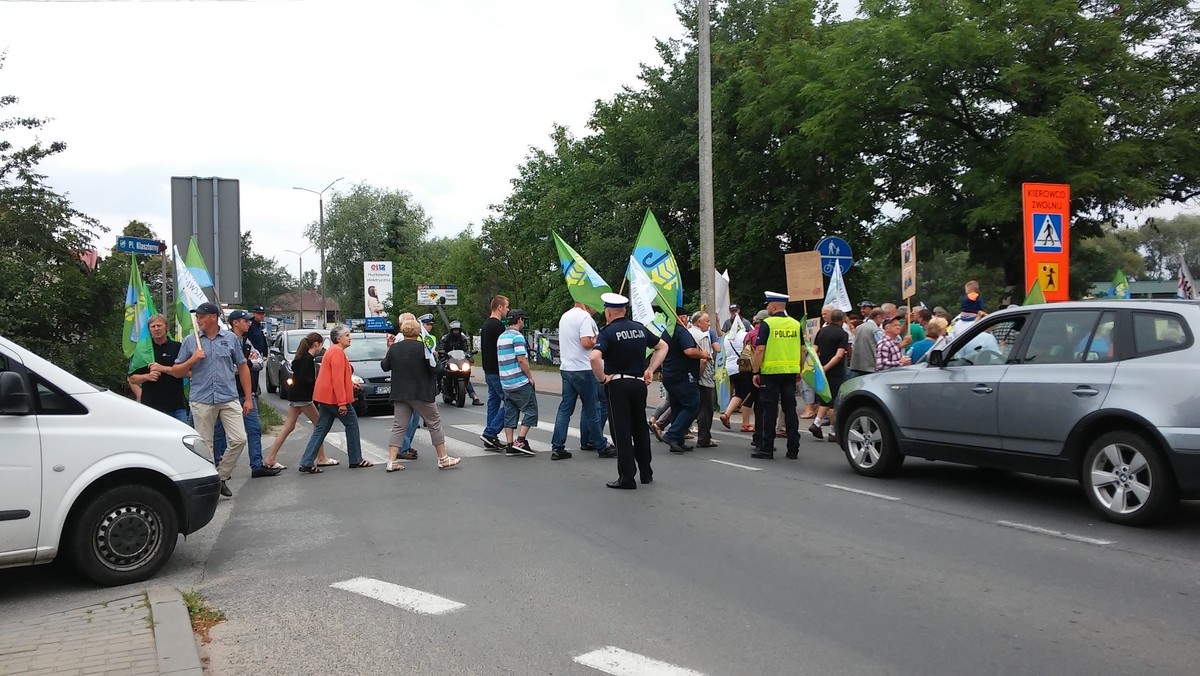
(414, 600)
(613, 660)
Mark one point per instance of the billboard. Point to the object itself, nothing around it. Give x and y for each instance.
(377, 288)
(209, 209)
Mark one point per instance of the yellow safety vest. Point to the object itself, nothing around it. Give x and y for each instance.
(782, 352)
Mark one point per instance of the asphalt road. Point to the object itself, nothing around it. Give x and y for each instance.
(754, 567)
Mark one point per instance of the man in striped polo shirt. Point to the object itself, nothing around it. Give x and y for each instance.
(520, 400)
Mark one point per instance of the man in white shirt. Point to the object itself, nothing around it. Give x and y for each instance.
(577, 333)
(708, 383)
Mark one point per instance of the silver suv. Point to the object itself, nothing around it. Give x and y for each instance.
(1094, 391)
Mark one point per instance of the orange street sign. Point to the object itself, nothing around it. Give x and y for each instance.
(1047, 225)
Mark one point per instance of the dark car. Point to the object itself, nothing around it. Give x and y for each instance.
(280, 355)
(1096, 391)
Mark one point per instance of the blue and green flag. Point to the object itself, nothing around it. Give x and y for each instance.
(811, 371)
(1120, 286)
(139, 307)
(653, 255)
(584, 283)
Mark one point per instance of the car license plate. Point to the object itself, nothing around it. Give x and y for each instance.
(384, 389)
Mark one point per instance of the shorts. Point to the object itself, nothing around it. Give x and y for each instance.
(522, 400)
(835, 384)
(743, 384)
(299, 404)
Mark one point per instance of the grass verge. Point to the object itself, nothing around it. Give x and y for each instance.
(203, 617)
(268, 416)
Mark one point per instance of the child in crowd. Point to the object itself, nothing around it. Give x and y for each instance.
(972, 303)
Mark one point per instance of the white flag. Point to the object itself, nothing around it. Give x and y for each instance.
(720, 313)
(836, 295)
(188, 296)
(1187, 285)
(641, 294)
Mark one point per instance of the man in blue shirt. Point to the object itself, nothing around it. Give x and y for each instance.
(681, 375)
(214, 356)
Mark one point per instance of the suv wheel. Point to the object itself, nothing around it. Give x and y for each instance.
(123, 535)
(1126, 478)
(869, 445)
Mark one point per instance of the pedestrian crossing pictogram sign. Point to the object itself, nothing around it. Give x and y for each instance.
(1047, 228)
(1048, 276)
(1047, 233)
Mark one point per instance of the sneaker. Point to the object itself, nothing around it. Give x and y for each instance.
(831, 437)
(263, 471)
(816, 431)
(520, 447)
(588, 447)
(410, 454)
(225, 490)
(560, 455)
(491, 443)
(676, 448)
(476, 402)
(658, 433)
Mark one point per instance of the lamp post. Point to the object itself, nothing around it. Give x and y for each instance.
(300, 286)
(321, 206)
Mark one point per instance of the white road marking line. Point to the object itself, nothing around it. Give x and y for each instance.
(402, 597)
(338, 441)
(613, 660)
(478, 429)
(549, 427)
(1055, 533)
(734, 464)
(881, 496)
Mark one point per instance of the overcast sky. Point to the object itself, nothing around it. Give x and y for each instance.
(439, 98)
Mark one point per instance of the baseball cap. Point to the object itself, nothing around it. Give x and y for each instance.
(258, 308)
(207, 309)
(515, 314)
(734, 307)
(239, 314)
(681, 311)
(866, 303)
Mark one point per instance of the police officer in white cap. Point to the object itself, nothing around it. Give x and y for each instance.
(619, 363)
(776, 366)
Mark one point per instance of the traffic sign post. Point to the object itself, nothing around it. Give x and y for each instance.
(137, 245)
(1047, 227)
(834, 250)
(437, 294)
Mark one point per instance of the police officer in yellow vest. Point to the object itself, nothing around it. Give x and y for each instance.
(776, 364)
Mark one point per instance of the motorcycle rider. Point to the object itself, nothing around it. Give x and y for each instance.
(457, 340)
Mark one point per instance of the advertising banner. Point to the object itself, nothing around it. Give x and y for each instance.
(377, 288)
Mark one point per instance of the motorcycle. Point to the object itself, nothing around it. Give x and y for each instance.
(454, 380)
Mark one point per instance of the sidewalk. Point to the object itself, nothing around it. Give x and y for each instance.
(148, 633)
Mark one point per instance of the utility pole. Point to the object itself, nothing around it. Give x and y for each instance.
(321, 220)
(707, 255)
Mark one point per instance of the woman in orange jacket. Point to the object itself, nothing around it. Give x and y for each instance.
(334, 396)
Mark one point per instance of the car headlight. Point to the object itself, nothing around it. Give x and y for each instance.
(357, 380)
(195, 444)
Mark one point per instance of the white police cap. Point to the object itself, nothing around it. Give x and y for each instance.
(775, 297)
(614, 300)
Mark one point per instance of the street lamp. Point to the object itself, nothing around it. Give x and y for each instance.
(321, 206)
(300, 286)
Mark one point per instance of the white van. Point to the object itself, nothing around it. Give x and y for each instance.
(86, 473)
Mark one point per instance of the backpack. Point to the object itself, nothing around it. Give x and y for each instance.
(745, 356)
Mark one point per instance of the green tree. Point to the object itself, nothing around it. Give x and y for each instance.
(367, 224)
(1097, 259)
(310, 280)
(49, 301)
(263, 278)
(1163, 241)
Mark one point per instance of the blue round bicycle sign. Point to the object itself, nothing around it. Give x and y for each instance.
(835, 250)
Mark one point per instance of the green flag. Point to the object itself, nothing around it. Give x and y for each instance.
(1120, 286)
(653, 255)
(139, 307)
(1035, 295)
(583, 282)
(811, 371)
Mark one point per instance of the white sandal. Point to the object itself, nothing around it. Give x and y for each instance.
(394, 466)
(447, 462)
(279, 466)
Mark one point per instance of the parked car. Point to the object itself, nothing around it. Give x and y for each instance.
(94, 477)
(1094, 391)
(279, 358)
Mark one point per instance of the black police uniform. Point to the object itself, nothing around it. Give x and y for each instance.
(623, 344)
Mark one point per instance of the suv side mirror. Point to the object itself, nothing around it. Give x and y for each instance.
(14, 397)
(935, 358)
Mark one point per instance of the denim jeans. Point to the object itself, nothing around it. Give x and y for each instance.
(495, 405)
(601, 420)
(180, 414)
(253, 438)
(685, 402)
(413, 423)
(581, 385)
(327, 414)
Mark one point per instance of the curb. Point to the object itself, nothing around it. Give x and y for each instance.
(173, 638)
